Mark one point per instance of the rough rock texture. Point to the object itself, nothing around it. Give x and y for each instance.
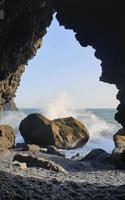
(21, 165)
(98, 155)
(7, 137)
(54, 151)
(31, 147)
(118, 154)
(36, 129)
(21, 31)
(69, 133)
(64, 133)
(38, 161)
(99, 24)
(8, 89)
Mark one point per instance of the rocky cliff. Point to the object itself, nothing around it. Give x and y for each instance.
(99, 24)
(22, 27)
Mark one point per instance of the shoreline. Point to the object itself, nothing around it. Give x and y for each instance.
(79, 182)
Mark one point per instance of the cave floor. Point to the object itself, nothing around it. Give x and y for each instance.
(78, 183)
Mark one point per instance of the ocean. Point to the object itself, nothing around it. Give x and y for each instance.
(99, 122)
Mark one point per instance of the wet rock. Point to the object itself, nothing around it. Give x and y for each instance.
(71, 131)
(76, 157)
(20, 37)
(21, 165)
(118, 154)
(53, 150)
(64, 133)
(31, 147)
(7, 137)
(8, 89)
(98, 155)
(36, 129)
(20, 145)
(33, 160)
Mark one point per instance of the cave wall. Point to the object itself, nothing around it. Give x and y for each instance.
(99, 24)
(21, 31)
(8, 89)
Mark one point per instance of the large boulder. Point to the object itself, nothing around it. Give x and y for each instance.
(118, 154)
(64, 133)
(36, 129)
(7, 137)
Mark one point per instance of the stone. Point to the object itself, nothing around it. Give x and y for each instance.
(76, 157)
(98, 155)
(21, 40)
(31, 147)
(21, 165)
(20, 145)
(8, 90)
(4, 153)
(36, 129)
(118, 154)
(7, 137)
(25, 26)
(64, 133)
(119, 138)
(54, 151)
(33, 160)
(69, 133)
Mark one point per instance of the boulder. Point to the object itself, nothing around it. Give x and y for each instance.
(64, 133)
(69, 133)
(54, 151)
(33, 160)
(7, 137)
(118, 154)
(98, 155)
(21, 165)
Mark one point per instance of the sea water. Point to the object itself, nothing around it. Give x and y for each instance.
(99, 122)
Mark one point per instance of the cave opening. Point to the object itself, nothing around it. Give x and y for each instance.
(63, 80)
(62, 67)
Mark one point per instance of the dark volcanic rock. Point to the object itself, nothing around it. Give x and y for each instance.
(118, 154)
(7, 137)
(53, 150)
(76, 157)
(99, 24)
(21, 32)
(98, 155)
(8, 89)
(36, 129)
(33, 160)
(21, 165)
(65, 133)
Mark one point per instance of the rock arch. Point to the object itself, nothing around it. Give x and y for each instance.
(99, 24)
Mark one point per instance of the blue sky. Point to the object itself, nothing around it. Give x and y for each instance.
(64, 69)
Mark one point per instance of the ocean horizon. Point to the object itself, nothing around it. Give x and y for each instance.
(99, 122)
